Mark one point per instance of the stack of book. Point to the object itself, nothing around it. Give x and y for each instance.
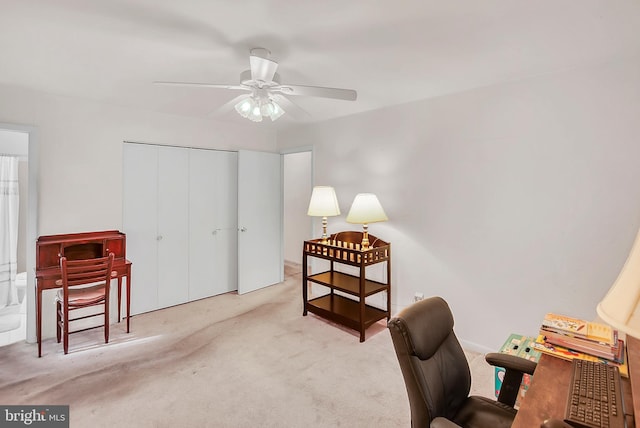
(569, 338)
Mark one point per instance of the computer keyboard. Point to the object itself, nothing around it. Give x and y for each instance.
(595, 396)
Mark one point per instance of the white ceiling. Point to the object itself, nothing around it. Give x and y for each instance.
(391, 52)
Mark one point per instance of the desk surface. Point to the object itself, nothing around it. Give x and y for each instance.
(547, 395)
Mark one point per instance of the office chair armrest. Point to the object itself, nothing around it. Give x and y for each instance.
(441, 422)
(515, 368)
(511, 362)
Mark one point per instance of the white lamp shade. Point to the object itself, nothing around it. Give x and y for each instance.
(324, 202)
(619, 308)
(254, 108)
(245, 106)
(366, 209)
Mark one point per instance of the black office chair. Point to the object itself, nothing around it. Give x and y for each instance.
(437, 376)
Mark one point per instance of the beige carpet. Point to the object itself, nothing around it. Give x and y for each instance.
(226, 361)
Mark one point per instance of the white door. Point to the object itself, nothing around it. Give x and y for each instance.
(259, 220)
(212, 223)
(226, 245)
(139, 222)
(173, 226)
(202, 227)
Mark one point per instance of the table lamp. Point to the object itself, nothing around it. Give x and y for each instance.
(323, 203)
(620, 306)
(366, 209)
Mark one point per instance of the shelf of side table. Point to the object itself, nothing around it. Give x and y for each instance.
(352, 312)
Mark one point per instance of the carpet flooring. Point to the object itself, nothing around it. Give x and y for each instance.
(227, 361)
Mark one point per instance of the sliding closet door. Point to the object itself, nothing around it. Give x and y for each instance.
(155, 219)
(212, 223)
(200, 223)
(139, 222)
(226, 215)
(173, 226)
(260, 260)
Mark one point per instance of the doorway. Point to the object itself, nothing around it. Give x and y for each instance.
(15, 145)
(297, 186)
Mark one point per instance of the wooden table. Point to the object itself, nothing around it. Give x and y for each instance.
(74, 246)
(547, 395)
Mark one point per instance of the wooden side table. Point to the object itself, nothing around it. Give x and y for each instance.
(348, 307)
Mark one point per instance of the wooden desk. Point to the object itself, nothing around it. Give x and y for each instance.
(633, 355)
(547, 395)
(49, 249)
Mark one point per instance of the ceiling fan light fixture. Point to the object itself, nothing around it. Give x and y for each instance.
(255, 114)
(245, 106)
(266, 108)
(255, 108)
(276, 111)
(264, 84)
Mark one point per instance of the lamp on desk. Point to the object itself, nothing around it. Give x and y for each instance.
(620, 308)
(366, 209)
(323, 203)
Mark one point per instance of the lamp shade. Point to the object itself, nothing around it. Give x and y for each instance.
(620, 306)
(366, 209)
(254, 108)
(324, 202)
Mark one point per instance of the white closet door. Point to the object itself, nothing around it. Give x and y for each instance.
(260, 259)
(173, 226)
(202, 228)
(139, 222)
(213, 223)
(226, 248)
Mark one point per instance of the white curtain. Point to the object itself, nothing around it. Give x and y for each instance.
(9, 200)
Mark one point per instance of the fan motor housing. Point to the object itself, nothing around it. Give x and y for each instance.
(245, 79)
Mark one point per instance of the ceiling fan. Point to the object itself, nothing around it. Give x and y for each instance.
(266, 94)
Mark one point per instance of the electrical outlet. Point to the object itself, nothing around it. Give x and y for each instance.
(418, 296)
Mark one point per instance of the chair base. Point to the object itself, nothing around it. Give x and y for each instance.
(62, 333)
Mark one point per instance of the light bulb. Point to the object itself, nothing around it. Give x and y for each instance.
(255, 114)
(244, 106)
(276, 111)
(266, 109)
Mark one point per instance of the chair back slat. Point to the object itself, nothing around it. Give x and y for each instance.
(87, 271)
(94, 274)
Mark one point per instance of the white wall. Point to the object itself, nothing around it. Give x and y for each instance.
(81, 152)
(80, 158)
(509, 201)
(14, 143)
(297, 192)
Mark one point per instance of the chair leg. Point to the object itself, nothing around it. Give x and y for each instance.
(106, 321)
(58, 321)
(65, 332)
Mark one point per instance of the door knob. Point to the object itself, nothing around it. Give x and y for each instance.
(243, 229)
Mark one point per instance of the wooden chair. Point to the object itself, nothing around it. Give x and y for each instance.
(85, 283)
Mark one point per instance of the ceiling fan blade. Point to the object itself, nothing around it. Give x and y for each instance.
(318, 91)
(262, 69)
(291, 108)
(206, 85)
